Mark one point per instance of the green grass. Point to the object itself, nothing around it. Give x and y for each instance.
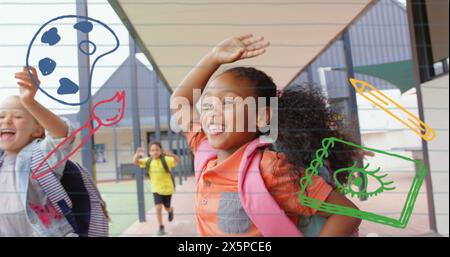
(121, 200)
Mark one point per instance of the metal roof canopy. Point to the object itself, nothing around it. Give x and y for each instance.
(175, 35)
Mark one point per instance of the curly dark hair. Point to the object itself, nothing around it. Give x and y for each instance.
(263, 84)
(304, 120)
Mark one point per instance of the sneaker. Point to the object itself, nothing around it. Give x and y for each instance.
(161, 231)
(170, 216)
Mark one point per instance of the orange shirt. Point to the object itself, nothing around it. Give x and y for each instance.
(218, 208)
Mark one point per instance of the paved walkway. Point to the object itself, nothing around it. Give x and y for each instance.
(184, 221)
(389, 205)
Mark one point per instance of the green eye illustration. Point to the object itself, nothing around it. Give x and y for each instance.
(358, 181)
(374, 186)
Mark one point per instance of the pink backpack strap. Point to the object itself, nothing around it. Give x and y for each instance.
(205, 152)
(258, 203)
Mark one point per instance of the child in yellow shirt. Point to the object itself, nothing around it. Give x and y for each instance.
(159, 166)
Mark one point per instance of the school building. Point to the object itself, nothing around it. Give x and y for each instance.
(113, 147)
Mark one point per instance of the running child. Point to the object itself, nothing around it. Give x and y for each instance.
(159, 165)
(25, 210)
(223, 203)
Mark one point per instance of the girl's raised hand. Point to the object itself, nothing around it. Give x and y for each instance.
(238, 48)
(168, 153)
(140, 151)
(27, 88)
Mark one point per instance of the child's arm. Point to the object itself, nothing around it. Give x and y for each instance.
(175, 157)
(228, 51)
(56, 127)
(138, 155)
(339, 225)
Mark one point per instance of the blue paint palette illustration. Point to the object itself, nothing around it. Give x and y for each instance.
(48, 52)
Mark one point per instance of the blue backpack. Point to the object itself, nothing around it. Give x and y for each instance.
(89, 217)
(75, 196)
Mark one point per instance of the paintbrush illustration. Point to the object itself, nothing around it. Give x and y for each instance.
(118, 102)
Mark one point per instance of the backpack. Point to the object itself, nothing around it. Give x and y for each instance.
(276, 222)
(252, 191)
(147, 167)
(75, 196)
